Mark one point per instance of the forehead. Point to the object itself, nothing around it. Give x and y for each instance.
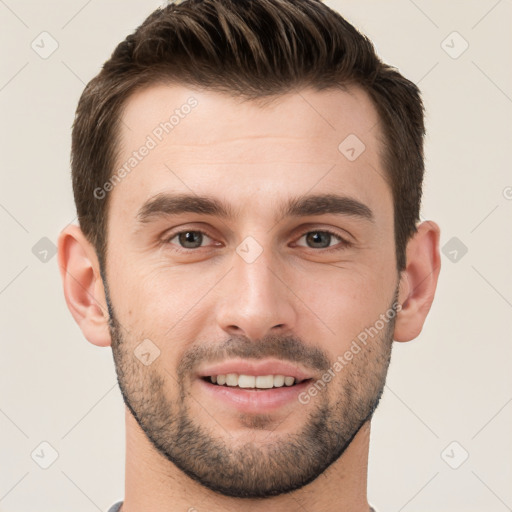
(176, 138)
(160, 110)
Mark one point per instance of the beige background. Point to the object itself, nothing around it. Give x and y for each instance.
(451, 384)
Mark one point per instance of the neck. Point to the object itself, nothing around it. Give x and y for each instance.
(153, 483)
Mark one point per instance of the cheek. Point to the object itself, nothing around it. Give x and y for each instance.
(345, 301)
(159, 301)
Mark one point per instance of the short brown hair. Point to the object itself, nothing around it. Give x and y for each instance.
(254, 49)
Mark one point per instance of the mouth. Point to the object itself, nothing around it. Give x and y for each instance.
(263, 386)
(251, 399)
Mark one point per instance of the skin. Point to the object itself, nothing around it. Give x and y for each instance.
(293, 302)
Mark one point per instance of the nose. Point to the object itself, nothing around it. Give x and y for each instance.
(255, 298)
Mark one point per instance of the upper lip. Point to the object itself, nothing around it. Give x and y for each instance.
(266, 367)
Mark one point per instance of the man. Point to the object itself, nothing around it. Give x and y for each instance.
(248, 179)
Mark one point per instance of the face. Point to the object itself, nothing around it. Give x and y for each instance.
(246, 240)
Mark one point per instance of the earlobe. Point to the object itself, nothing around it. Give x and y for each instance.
(83, 287)
(418, 281)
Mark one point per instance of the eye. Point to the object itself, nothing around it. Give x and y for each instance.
(321, 239)
(188, 239)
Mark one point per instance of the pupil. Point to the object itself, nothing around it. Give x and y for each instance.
(190, 237)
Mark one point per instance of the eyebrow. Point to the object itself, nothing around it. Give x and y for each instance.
(166, 204)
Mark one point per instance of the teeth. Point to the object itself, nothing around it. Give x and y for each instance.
(246, 381)
(288, 381)
(278, 381)
(251, 381)
(265, 381)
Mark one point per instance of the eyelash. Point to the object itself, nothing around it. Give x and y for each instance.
(345, 243)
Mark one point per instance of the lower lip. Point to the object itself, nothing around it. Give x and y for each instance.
(252, 400)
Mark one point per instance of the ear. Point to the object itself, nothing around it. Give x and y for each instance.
(83, 286)
(418, 281)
